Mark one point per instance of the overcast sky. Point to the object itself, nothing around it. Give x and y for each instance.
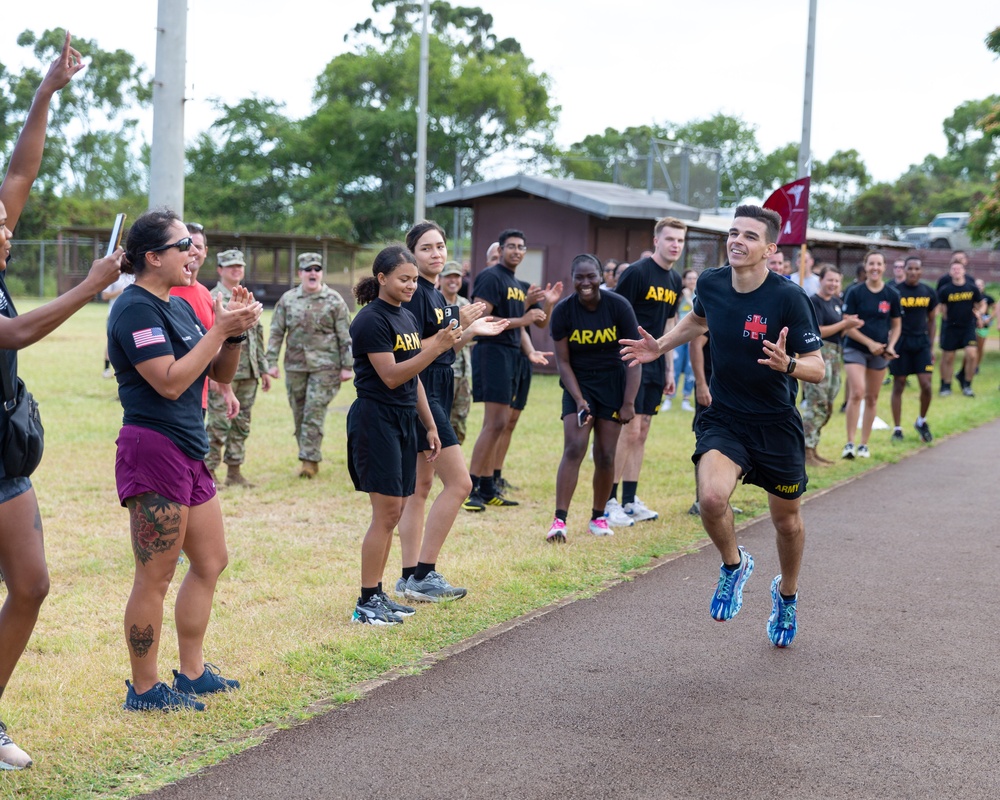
(887, 71)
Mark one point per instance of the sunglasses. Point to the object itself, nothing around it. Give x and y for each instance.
(311, 268)
(181, 244)
(195, 227)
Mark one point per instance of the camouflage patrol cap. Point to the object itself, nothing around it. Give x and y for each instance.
(451, 268)
(308, 259)
(230, 258)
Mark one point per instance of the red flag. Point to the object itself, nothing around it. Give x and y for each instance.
(791, 201)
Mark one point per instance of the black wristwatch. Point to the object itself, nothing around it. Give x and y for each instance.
(791, 365)
(237, 339)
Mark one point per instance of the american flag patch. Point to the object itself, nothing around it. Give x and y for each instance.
(149, 336)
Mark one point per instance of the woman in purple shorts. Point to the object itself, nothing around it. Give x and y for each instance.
(161, 355)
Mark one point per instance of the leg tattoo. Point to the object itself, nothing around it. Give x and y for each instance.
(140, 640)
(155, 523)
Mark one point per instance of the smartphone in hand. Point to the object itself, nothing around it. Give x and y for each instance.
(581, 417)
(450, 318)
(116, 235)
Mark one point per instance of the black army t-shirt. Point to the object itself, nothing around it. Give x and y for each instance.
(916, 302)
(427, 306)
(499, 287)
(592, 336)
(960, 302)
(653, 293)
(739, 323)
(381, 327)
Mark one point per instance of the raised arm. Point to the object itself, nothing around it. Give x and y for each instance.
(26, 158)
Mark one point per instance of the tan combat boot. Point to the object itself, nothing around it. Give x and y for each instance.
(309, 469)
(233, 478)
(813, 459)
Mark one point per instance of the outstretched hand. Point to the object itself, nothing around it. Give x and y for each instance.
(640, 351)
(62, 70)
(777, 359)
(540, 357)
(488, 326)
(468, 314)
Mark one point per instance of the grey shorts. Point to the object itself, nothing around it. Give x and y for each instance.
(854, 356)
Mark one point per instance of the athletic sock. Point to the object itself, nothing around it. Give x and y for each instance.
(422, 570)
(897, 428)
(561, 514)
(628, 492)
(106, 363)
(614, 492)
(945, 386)
(408, 571)
(486, 488)
(921, 420)
(475, 483)
(496, 475)
(596, 513)
(788, 598)
(368, 594)
(732, 567)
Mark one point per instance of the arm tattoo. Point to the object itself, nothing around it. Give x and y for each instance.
(156, 524)
(140, 640)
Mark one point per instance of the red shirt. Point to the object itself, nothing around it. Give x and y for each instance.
(204, 308)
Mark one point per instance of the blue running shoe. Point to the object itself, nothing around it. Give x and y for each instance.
(209, 682)
(781, 625)
(728, 598)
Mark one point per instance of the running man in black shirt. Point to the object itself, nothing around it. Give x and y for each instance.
(919, 304)
(962, 305)
(757, 320)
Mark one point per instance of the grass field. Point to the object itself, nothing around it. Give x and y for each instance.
(281, 618)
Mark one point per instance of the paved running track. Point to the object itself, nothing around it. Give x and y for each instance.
(889, 691)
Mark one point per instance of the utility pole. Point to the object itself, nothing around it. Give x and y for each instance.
(420, 179)
(804, 144)
(166, 168)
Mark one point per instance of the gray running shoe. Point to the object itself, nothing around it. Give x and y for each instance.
(433, 589)
(397, 608)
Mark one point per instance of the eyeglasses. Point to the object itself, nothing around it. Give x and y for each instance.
(519, 247)
(311, 268)
(181, 244)
(195, 227)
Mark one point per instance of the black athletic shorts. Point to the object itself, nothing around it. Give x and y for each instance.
(771, 451)
(522, 383)
(915, 357)
(439, 386)
(604, 391)
(956, 338)
(382, 447)
(495, 373)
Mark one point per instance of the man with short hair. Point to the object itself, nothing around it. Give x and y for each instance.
(227, 436)
(961, 306)
(653, 288)
(899, 271)
(763, 336)
(497, 377)
(919, 305)
(314, 322)
(776, 263)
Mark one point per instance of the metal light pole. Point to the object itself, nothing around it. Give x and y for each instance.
(166, 168)
(804, 159)
(420, 179)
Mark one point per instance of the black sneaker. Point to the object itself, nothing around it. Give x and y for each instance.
(925, 432)
(160, 698)
(209, 682)
(474, 502)
(374, 612)
(397, 608)
(500, 500)
(897, 435)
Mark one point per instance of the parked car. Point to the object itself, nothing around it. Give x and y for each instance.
(948, 231)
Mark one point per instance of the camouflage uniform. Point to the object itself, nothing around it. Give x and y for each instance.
(230, 435)
(317, 326)
(818, 399)
(462, 367)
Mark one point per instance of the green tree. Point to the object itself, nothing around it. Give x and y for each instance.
(985, 221)
(835, 185)
(484, 99)
(91, 148)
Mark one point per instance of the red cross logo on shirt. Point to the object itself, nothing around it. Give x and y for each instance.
(755, 327)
